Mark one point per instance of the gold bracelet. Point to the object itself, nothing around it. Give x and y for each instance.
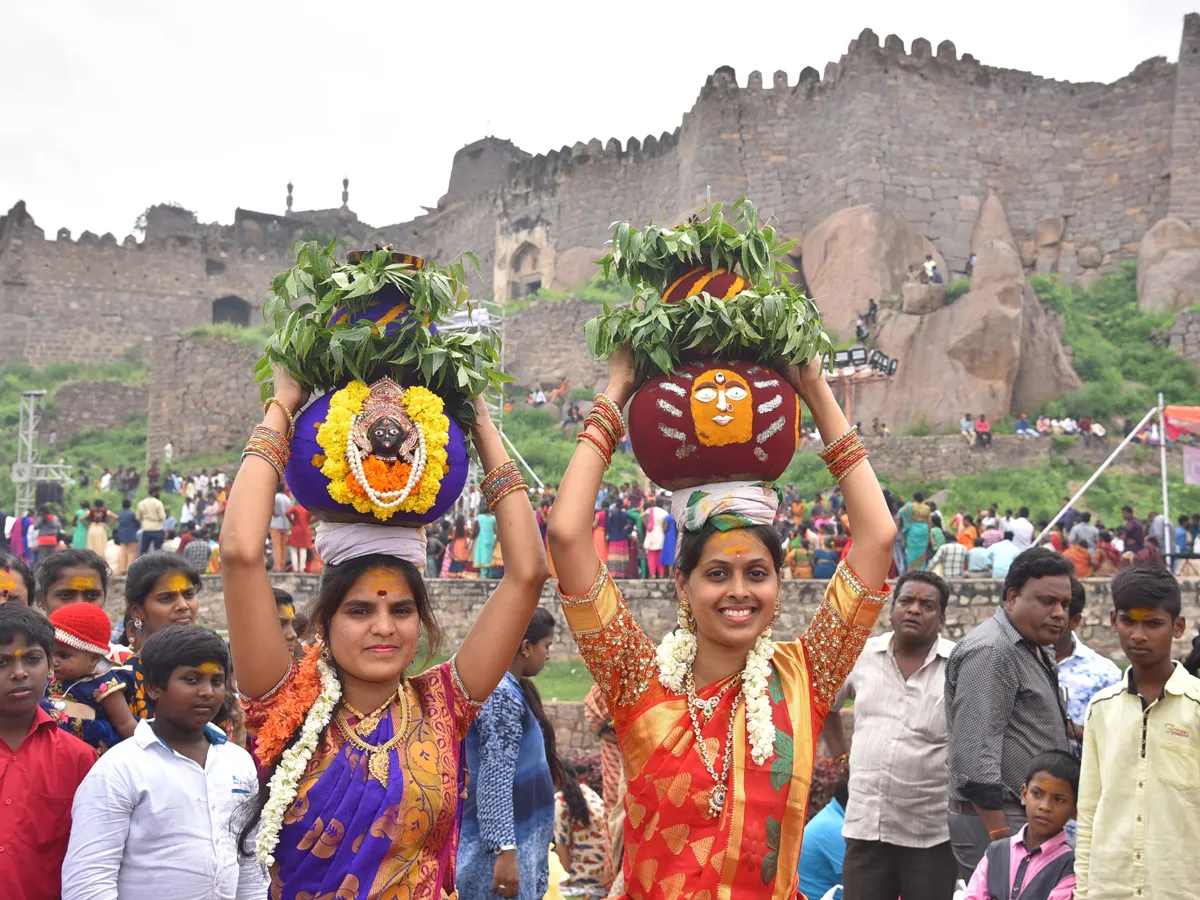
(522, 486)
(263, 456)
(287, 413)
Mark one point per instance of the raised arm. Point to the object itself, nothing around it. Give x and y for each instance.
(570, 528)
(871, 525)
(260, 654)
(489, 647)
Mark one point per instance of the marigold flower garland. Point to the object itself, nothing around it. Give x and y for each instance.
(386, 482)
(675, 656)
(285, 782)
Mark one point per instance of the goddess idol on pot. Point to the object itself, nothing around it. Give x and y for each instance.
(718, 723)
(363, 770)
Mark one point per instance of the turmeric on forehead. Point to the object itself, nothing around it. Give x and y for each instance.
(82, 583)
(177, 583)
(210, 668)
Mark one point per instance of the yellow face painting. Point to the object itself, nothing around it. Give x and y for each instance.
(7, 582)
(722, 410)
(178, 584)
(82, 584)
(209, 668)
(1141, 615)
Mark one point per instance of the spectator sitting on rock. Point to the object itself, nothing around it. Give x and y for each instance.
(914, 274)
(927, 268)
(1043, 425)
(872, 312)
(1024, 429)
(936, 275)
(966, 428)
(861, 333)
(983, 431)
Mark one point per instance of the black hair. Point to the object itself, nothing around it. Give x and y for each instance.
(691, 546)
(51, 570)
(577, 808)
(1127, 509)
(1183, 520)
(1106, 536)
(16, 618)
(1086, 516)
(99, 504)
(978, 542)
(125, 504)
(841, 791)
(1023, 512)
(1057, 763)
(918, 496)
(924, 576)
(1078, 598)
(19, 567)
(1036, 562)
(174, 646)
(1146, 587)
(282, 597)
(147, 569)
(541, 626)
(1008, 535)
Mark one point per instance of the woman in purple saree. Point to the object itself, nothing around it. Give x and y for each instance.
(363, 769)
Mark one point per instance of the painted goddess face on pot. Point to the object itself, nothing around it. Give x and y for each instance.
(721, 407)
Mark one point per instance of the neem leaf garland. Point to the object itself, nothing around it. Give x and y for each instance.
(769, 320)
(323, 354)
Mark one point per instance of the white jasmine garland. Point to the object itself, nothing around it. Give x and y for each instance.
(286, 781)
(675, 656)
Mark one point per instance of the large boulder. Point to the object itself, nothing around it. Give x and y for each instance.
(1168, 266)
(857, 254)
(994, 348)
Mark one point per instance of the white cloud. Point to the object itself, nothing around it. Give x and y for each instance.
(112, 107)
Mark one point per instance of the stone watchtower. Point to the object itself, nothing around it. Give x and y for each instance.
(1185, 127)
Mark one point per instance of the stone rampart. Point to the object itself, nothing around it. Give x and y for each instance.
(80, 406)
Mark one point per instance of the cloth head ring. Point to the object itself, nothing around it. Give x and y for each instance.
(727, 505)
(337, 543)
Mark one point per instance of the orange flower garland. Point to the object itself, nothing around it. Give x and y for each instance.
(288, 709)
(382, 476)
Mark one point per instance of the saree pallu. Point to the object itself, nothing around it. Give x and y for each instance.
(347, 836)
(673, 849)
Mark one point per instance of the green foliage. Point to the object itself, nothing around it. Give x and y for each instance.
(768, 320)
(918, 429)
(323, 354)
(1122, 369)
(956, 289)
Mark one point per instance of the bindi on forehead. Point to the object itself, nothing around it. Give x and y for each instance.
(7, 581)
(383, 583)
(177, 583)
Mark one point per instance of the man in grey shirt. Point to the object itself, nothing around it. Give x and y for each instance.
(1003, 703)
(1084, 532)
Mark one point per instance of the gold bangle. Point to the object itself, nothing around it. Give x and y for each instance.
(263, 456)
(512, 490)
(286, 412)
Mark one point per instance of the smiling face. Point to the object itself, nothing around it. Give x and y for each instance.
(733, 589)
(172, 601)
(722, 410)
(376, 629)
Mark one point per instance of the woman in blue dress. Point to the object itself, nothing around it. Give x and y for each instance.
(508, 817)
(485, 541)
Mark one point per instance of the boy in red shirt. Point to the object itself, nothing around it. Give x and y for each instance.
(40, 764)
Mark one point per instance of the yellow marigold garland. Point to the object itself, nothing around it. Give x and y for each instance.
(424, 407)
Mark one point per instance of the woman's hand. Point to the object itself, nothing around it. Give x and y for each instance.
(622, 376)
(804, 376)
(287, 389)
(482, 413)
(506, 877)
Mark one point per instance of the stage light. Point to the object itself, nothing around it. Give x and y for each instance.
(841, 359)
(892, 366)
(858, 356)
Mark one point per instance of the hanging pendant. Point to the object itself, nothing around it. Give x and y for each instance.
(716, 801)
(378, 766)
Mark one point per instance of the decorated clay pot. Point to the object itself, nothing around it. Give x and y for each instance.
(377, 453)
(720, 284)
(388, 307)
(715, 420)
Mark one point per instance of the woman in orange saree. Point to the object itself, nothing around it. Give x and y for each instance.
(718, 726)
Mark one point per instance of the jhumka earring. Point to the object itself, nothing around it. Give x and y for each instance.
(687, 621)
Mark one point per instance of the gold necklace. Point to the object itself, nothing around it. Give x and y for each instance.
(377, 754)
(367, 724)
(716, 797)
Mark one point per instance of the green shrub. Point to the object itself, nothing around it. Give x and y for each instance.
(956, 289)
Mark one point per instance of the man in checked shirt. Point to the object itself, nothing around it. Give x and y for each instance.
(1003, 703)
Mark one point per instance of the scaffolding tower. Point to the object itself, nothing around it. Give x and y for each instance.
(27, 472)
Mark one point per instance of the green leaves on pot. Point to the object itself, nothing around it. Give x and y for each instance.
(323, 350)
(770, 320)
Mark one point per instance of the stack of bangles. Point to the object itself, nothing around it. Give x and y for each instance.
(267, 443)
(606, 418)
(503, 480)
(844, 455)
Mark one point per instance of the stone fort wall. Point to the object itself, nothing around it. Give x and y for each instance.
(458, 603)
(924, 132)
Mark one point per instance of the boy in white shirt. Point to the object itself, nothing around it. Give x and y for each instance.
(157, 811)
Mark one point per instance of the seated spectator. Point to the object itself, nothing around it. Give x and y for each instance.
(824, 848)
(1107, 557)
(1043, 426)
(950, 560)
(914, 274)
(1069, 426)
(1098, 432)
(1080, 557)
(1149, 555)
(860, 331)
(1023, 428)
(1084, 532)
(936, 275)
(966, 427)
(927, 267)
(1085, 430)
(884, 430)
(979, 564)
(1001, 555)
(983, 431)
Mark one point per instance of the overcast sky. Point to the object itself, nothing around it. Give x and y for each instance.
(112, 106)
